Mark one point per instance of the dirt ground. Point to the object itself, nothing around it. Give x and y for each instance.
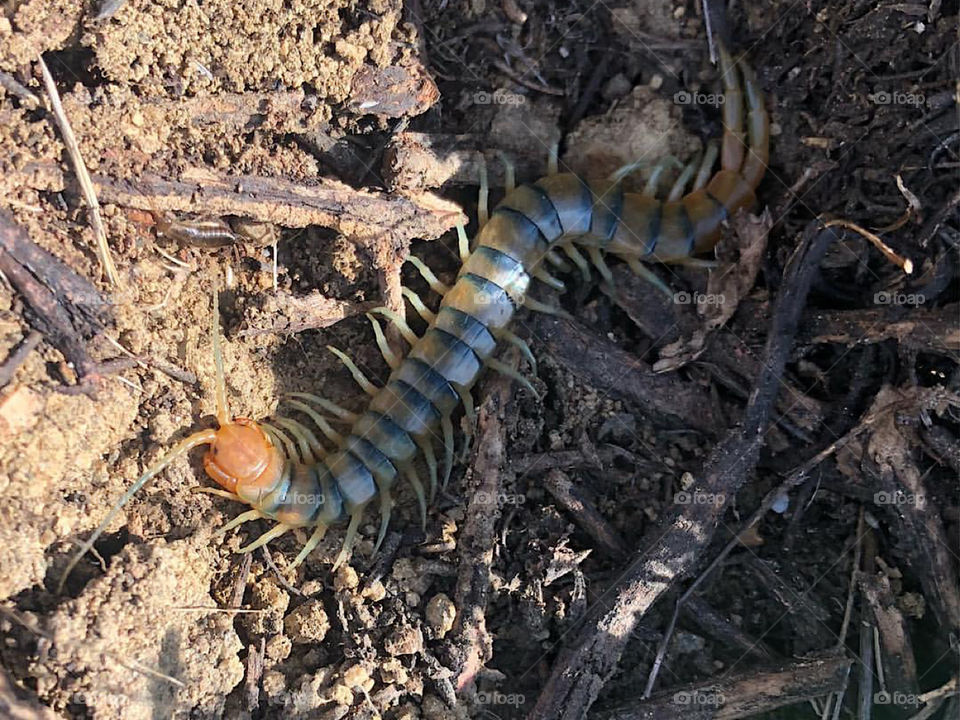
(338, 99)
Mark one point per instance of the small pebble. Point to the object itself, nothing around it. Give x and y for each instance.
(308, 623)
(404, 641)
(441, 613)
(375, 592)
(278, 648)
(780, 503)
(346, 578)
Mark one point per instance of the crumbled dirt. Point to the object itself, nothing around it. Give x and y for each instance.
(170, 621)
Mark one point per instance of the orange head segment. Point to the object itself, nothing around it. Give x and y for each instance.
(240, 454)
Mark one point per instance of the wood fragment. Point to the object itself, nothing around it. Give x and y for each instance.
(18, 356)
(392, 91)
(900, 491)
(896, 647)
(583, 666)
(83, 176)
(12, 86)
(703, 615)
(283, 313)
(576, 501)
(607, 367)
(748, 693)
(932, 330)
(415, 161)
(64, 307)
(471, 645)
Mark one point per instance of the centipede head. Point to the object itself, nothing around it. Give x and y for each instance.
(241, 452)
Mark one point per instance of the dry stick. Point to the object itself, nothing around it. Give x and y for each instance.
(471, 645)
(746, 694)
(576, 502)
(904, 263)
(865, 684)
(73, 149)
(584, 667)
(17, 357)
(12, 86)
(837, 697)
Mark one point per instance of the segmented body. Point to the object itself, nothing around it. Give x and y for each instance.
(301, 484)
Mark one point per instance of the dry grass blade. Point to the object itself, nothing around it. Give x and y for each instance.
(93, 205)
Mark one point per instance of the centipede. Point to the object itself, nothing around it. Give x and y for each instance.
(286, 474)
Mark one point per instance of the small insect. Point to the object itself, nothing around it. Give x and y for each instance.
(286, 474)
(214, 232)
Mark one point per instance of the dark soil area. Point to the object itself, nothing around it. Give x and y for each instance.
(704, 509)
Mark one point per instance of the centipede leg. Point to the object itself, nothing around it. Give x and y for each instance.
(280, 438)
(483, 197)
(470, 418)
(509, 172)
(350, 537)
(706, 167)
(547, 279)
(653, 182)
(388, 354)
(504, 369)
(427, 274)
(418, 490)
(425, 313)
(521, 344)
(676, 192)
(310, 447)
(556, 261)
(553, 159)
(312, 543)
(217, 492)
(647, 274)
(426, 447)
(239, 520)
(341, 413)
(367, 386)
(271, 534)
(463, 243)
(446, 427)
(537, 306)
(579, 260)
(321, 422)
(596, 257)
(386, 506)
(409, 335)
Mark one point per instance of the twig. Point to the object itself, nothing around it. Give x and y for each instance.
(10, 84)
(575, 501)
(73, 149)
(904, 263)
(751, 693)
(16, 358)
(471, 644)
